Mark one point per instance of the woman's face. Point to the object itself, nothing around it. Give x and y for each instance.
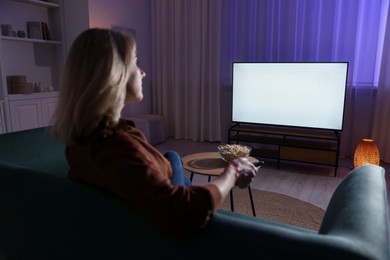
(134, 85)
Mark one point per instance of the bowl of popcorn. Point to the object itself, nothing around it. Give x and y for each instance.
(230, 152)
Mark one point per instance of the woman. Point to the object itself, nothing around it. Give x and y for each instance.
(101, 76)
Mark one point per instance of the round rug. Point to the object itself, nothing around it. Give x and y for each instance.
(277, 207)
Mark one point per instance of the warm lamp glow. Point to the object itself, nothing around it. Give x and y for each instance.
(366, 153)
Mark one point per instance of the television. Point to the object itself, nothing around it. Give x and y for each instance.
(296, 94)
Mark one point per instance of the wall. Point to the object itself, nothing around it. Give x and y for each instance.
(132, 14)
(76, 20)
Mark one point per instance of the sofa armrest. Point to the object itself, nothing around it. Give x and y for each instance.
(358, 210)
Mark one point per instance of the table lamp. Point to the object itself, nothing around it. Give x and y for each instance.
(367, 152)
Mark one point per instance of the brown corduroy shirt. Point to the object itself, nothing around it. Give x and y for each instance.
(121, 161)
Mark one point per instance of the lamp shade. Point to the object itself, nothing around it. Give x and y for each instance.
(367, 152)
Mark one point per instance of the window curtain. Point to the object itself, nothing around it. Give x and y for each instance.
(381, 124)
(186, 68)
(195, 42)
(311, 31)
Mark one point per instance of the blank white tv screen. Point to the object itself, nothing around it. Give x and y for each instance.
(309, 95)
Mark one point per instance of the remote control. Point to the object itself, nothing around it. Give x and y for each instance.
(258, 163)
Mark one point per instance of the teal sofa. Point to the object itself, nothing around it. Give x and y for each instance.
(44, 215)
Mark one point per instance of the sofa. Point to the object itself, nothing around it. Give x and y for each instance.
(44, 215)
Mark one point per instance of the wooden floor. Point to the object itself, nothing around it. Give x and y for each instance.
(311, 188)
(311, 183)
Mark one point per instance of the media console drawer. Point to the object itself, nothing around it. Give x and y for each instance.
(308, 155)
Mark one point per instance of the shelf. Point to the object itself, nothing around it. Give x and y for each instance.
(319, 134)
(38, 3)
(18, 39)
(34, 95)
(264, 153)
(303, 143)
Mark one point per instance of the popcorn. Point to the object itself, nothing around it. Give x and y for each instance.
(230, 152)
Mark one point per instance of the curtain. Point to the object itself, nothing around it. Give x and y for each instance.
(381, 124)
(195, 42)
(185, 67)
(310, 31)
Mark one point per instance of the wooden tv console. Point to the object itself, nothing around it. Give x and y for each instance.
(289, 144)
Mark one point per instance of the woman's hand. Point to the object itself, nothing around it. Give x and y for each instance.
(239, 172)
(245, 172)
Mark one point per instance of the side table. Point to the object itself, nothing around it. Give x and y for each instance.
(211, 164)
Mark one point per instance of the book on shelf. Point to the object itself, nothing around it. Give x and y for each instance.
(38, 30)
(34, 30)
(46, 31)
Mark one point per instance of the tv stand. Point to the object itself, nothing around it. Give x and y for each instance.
(289, 144)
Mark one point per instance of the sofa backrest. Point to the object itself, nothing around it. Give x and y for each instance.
(36, 149)
(43, 216)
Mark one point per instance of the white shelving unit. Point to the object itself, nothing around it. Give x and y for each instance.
(41, 61)
(17, 39)
(39, 3)
(2, 118)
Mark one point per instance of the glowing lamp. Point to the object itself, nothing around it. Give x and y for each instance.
(366, 153)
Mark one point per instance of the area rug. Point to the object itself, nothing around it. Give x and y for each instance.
(277, 207)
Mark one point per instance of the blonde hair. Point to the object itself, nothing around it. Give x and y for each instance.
(93, 85)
